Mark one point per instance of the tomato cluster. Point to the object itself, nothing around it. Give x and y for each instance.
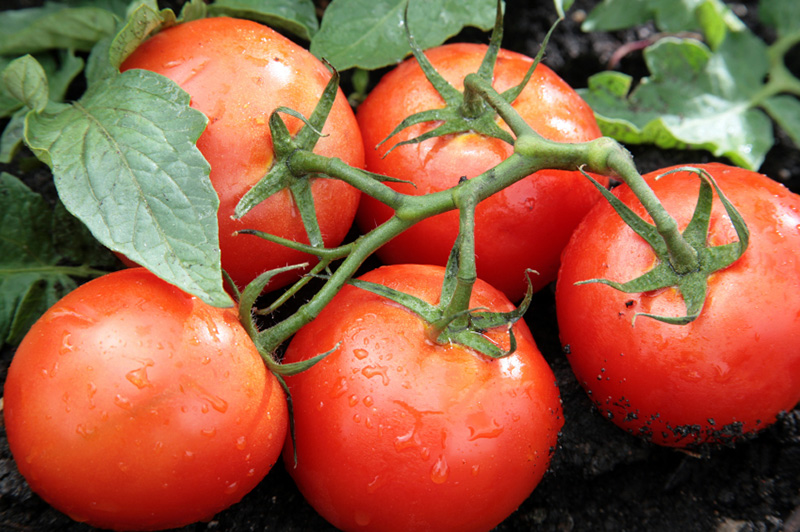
(133, 405)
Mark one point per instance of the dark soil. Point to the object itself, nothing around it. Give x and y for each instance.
(601, 478)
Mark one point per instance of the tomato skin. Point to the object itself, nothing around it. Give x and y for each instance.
(237, 72)
(729, 372)
(133, 406)
(524, 226)
(397, 433)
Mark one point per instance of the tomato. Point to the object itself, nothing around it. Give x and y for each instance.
(237, 72)
(726, 374)
(524, 226)
(132, 405)
(395, 432)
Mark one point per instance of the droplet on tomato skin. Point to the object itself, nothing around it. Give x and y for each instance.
(373, 486)
(66, 344)
(360, 354)
(440, 470)
(241, 443)
(209, 433)
(138, 377)
(339, 388)
(84, 431)
(232, 487)
(352, 400)
(376, 371)
(122, 402)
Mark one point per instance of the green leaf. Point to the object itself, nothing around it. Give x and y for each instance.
(371, 34)
(143, 22)
(125, 163)
(783, 15)
(25, 79)
(669, 15)
(30, 280)
(785, 111)
(693, 99)
(11, 138)
(55, 25)
(298, 17)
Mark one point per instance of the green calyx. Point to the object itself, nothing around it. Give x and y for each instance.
(450, 322)
(468, 110)
(280, 175)
(688, 272)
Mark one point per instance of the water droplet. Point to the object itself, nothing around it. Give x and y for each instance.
(376, 371)
(138, 377)
(339, 388)
(361, 354)
(232, 487)
(84, 431)
(475, 470)
(352, 400)
(209, 433)
(91, 391)
(440, 470)
(66, 344)
(122, 402)
(241, 443)
(357, 418)
(368, 401)
(373, 486)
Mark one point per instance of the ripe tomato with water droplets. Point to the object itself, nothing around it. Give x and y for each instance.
(395, 432)
(728, 373)
(237, 72)
(524, 226)
(132, 405)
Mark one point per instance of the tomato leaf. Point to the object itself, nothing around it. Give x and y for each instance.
(785, 111)
(371, 34)
(692, 99)
(298, 17)
(55, 25)
(125, 163)
(783, 15)
(32, 277)
(668, 15)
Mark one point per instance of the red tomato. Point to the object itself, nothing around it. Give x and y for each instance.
(729, 372)
(395, 432)
(237, 72)
(134, 406)
(524, 226)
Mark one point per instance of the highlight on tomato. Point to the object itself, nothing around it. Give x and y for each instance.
(526, 225)
(723, 376)
(237, 73)
(131, 405)
(395, 432)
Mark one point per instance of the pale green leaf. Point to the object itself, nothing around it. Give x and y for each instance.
(55, 25)
(298, 17)
(30, 281)
(125, 163)
(692, 99)
(783, 15)
(371, 33)
(785, 111)
(25, 80)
